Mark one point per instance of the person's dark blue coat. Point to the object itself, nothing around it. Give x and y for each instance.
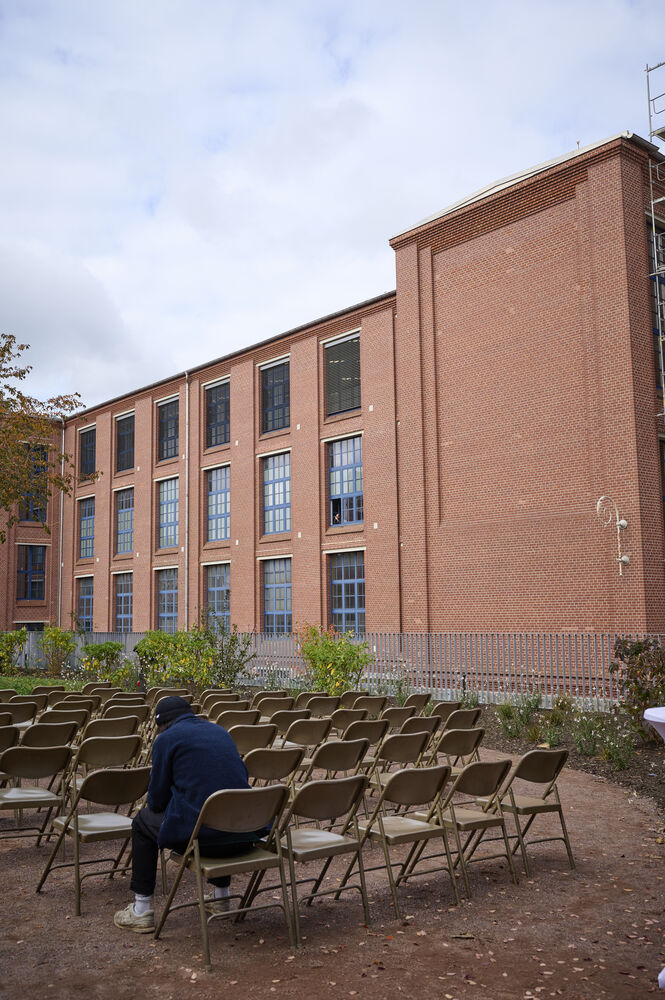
(190, 760)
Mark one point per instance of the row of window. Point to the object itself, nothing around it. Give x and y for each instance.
(347, 596)
(345, 487)
(342, 377)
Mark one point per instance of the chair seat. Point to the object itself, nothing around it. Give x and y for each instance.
(98, 826)
(27, 798)
(312, 844)
(403, 830)
(471, 819)
(257, 858)
(526, 805)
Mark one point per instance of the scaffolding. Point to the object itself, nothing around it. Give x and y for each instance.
(656, 82)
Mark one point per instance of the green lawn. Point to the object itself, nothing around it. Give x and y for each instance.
(25, 683)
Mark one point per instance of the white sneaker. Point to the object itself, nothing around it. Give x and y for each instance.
(129, 920)
(217, 904)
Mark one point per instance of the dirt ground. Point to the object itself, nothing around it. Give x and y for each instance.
(589, 933)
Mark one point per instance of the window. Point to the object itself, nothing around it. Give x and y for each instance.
(31, 626)
(167, 600)
(123, 602)
(33, 506)
(168, 513)
(275, 397)
(168, 430)
(277, 494)
(342, 361)
(31, 575)
(87, 528)
(657, 282)
(347, 591)
(85, 603)
(217, 415)
(124, 443)
(124, 521)
(345, 482)
(218, 595)
(219, 504)
(87, 452)
(277, 595)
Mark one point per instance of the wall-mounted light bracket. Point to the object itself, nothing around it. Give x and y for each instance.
(605, 508)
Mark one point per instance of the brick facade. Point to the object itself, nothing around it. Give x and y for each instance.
(506, 385)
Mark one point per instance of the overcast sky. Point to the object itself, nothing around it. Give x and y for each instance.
(183, 178)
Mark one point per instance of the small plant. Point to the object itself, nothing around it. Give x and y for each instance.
(336, 660)
(527, 706)
(617, 742)
(509, 720)
(469, 698)
(586, 733)
(11, 646)
(101, 659)
(533, 732)
(639, 669)
(551, 733)
(57, 647)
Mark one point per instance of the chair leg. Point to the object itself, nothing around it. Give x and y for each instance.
(569, 851)
(294, 897)
(77, 875)
(49, 863)
(363, 887)
(167, 905)
(460, 858)
(509, 854)
(522, 845)
(391, 880)
(204, 920)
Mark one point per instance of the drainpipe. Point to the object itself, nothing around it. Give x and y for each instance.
(187, 499)
(62, 520)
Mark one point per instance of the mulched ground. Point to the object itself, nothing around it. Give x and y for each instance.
(584, 934)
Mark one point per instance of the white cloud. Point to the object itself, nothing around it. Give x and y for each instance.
(184, 179)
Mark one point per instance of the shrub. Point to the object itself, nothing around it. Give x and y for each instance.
(204, 656)
(586, 732)
(11, 645)
(516, 714)
(640, 673)
(336, 660)
(469, 698)
(57, 647)
(101, 659)
(509, 720)
(551, 733)
(617, 742)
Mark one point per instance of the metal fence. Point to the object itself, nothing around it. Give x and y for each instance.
(495, 665)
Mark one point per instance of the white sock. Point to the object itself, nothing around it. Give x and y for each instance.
(222, 891)
(142, 904)
(661, 979)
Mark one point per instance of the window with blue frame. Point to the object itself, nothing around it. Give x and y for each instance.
(123, 601)
(345, 481)
(342, 366)
(219, 504)
(33, 505)
(87, 528)
(167, 600)
(85, 585)
(347, 591)
(218, 595)
(87, 452)
(277, 493)
(217, 415)
(657, 283)
(275, 397)
(277, 616)
(168, 430)
(124, 521)
(168, 513)
(124, 443)
(31, 573)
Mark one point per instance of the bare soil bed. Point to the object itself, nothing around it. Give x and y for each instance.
(589, 933)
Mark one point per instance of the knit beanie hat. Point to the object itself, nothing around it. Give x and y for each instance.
(171, 708)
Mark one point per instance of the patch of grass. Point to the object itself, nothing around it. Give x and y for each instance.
(24, 683)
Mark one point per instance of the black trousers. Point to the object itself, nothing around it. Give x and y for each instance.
(145, 852)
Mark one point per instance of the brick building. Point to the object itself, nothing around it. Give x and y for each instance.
(428, 460)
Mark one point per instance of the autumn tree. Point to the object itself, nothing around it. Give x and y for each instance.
(32, 464)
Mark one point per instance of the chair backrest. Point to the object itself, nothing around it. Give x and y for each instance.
(124, 726)
(463, 718)
(93, 686)
(349, 697)
(5, 718)
(91, 702)
(7, 693)
(371, 729)
(268, 706)
(180, 692)
(329, 799)
(152, 693)
(418, 701)
(8, 737)
(20, 711)
(215, 708)
(308, 732)
(402, 748)
(459, 742)
(108, 751)
(115, 787)
(482, 778)
(57, 735)
(444, 708)
(373, 704)
(247, 738)
(215, 690)
(229, 719)
(78, 715)
(397, 716)
(35, 762)
(105, 694)
(47, 688)
(243, 810)
(209, 698)
(541, 767)
(284, 719)
(339, 755)
(273, 764)
(322, 706)
(343, 717)
(304, 697)
(416, 786)
(125, 698)
(39, 700)
(421, 724)
(259, 695)
(140, 712)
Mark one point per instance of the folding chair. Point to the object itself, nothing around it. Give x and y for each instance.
(93, 686)
(108, 788)
(321, 801)
(91, 703)
(443, 709)
(215, 708)
(458, 746)
(53, 716)
(397, 716)
(421, 724)
(285, 719)
(323, 706)
(98, 752)
(54, 735)
(125, 725)
(307, 733)
(418, 701)
(304, 697)
(21, 699)
(349, 697)
(268, 706)
(9, 737)
(260, 695)
(227, 720)
(336, 756)
(209, 698)
(7, 693)
(342, 718)
(34, 763)
(403, 749)
(463, 718)
(403, 790)
(5, 718)
(235, 812)
(23, 713)
(273, 764)
(542, 768)
(248, 738)
(47, 688)
(373, 704)
(140, 712)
